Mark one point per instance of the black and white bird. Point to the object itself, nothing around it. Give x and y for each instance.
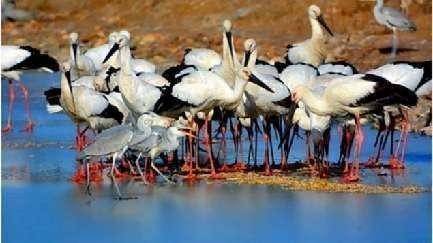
(202, 91)
(354, 96)
(98, 53)
(85, 105)
(257, 101)
(139, 65)
(15, 60)
(81, 64)
(139, 96)
(417, 77)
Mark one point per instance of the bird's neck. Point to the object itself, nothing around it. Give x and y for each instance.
(314, 103)
(125, 59)
(252, 60)
(229, 61)
(379, 4)
(66, 94)
(316, 30)
(238, 91)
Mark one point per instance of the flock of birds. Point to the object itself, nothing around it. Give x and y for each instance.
(139, 114)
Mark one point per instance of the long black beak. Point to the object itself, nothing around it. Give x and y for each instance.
(229, 40)
(74, 50)
(323, 23)
(255, 80)
(113, 49)
(247, 58)
(68, 77)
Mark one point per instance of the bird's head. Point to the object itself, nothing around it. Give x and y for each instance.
(227, 25)
(179, 129)
(66, 66)
(249, 47)
(315, 13)
(125, 33)
(112, 37)
(121, 40)
(73, 38)
(66, 69)
(298, 93)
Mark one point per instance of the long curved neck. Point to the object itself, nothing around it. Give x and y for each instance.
(251, 64)
(238, 90)
(125, 59)
(379, 4)
(71, 54)
(126, 80)
(316, 29)
(66, 94)
(314, 103)
(229, 60)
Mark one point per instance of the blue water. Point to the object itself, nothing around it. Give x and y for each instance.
(39, 204)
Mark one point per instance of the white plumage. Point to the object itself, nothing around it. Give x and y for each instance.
(312, 51)
(202, 58)
(407, 74)
(12, 55)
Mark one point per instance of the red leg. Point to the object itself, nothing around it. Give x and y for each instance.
(239, 165)
(283, 163)
(359, 139)
(224, 167)
(208, 144)
(30, 124)
(396, 161)
(266, 157)
(80, 139)
(190, 177)
(8, 126)
(348, 137)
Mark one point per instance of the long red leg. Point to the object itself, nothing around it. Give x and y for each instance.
(349, 138)
(190, 176)
(396, 161)
(359, 138)
(208, 143)
(8, 126)
(30, 124)
(239, 165)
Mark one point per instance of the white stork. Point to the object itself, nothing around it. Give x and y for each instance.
(354, 96)
(312, 51)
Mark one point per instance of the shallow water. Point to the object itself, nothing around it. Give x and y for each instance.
(39, 204)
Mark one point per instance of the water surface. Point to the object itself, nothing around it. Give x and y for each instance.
(40, 204)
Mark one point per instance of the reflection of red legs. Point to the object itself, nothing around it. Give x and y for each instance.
(80, 139)
(30, 124)
(8, 126)
(80, 174)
